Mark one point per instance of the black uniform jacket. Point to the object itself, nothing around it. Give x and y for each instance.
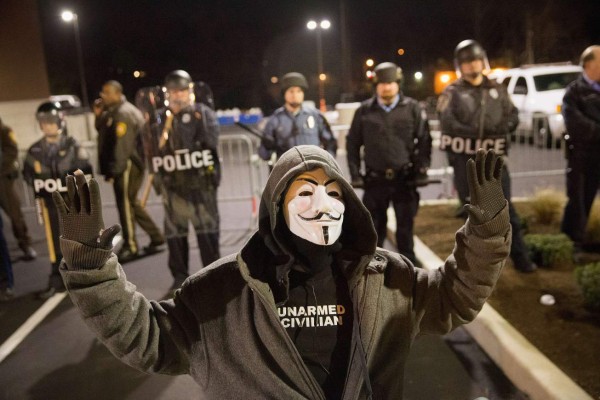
(581, 110)
(46, 167)
(394, 140)
(476, 112)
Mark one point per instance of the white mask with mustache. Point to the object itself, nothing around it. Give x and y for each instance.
(315, 212)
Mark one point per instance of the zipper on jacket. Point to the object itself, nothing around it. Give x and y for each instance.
(293, 350)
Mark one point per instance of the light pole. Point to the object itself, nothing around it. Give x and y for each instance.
(323, 25)
(70, 16)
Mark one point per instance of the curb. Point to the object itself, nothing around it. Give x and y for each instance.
(528, 369)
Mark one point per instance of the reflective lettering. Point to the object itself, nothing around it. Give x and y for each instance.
(470, 146)
(183, 160)
(196, 159)
(48, 185)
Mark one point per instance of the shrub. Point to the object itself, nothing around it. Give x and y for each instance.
(593, 225)
(588, 278)
(548, 250)
(547, 205)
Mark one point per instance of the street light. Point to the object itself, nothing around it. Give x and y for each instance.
(323, 25)
(70, 16)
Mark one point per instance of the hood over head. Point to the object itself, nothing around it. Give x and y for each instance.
(358, 237)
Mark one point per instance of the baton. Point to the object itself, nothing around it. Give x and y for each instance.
(255, 132)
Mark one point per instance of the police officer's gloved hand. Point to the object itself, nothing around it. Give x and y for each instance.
(357, 183)
(421, 178)
(484, 175)
(84, 241)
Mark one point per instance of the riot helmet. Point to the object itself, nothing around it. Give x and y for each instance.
(293, 79)
(467, 51)
(178, 79)
(51, 113)
(178, 90)
(387, 72)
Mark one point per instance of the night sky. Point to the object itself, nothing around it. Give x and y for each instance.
(236, 46)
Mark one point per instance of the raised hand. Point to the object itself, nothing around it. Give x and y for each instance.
(484, 176)
(81, 219)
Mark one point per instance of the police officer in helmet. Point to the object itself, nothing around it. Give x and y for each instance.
(476, 112)
(46, 165)
(294, 124)
(183, 158)
(393, 131)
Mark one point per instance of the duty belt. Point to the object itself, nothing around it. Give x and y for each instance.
(389, 174)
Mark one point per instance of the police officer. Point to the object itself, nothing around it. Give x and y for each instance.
(46, 165)
(476, 112)
(119, 123)
(294, 124)
(394, 132)
(9, 201)
(184, 161)
(581, 110)
(6, 273)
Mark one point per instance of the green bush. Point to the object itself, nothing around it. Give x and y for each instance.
(547, 250)
(547, 205)
(588, 278)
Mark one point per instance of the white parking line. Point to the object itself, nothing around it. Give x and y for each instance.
(20, 334)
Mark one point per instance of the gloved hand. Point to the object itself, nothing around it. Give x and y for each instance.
(81, 220)
(358, 183)
(421, 178)
(484, 176)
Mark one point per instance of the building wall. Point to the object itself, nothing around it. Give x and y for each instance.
(23, 73)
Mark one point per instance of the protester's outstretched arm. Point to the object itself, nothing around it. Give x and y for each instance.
(454, 294)
(144, 334)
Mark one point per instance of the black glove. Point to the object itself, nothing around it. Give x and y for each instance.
(484, 176)
(81, 220)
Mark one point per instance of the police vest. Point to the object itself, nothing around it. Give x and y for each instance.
(183, 160)
(470, 145)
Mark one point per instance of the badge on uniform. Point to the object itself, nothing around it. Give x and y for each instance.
(493, 93)
(186, 118)
(121, 129)
(37, 167)
(310, 122)
(62, 153)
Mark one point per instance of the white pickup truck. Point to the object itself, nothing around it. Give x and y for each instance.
(537, 91)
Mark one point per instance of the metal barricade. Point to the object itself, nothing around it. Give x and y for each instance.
(243, 174)
(534, 162)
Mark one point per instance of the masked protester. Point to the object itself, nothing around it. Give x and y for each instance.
(477, 112)
(181, 142)
(46, 165)
(309, 308)
(121, 162)
(295, 124)
(392, 131)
